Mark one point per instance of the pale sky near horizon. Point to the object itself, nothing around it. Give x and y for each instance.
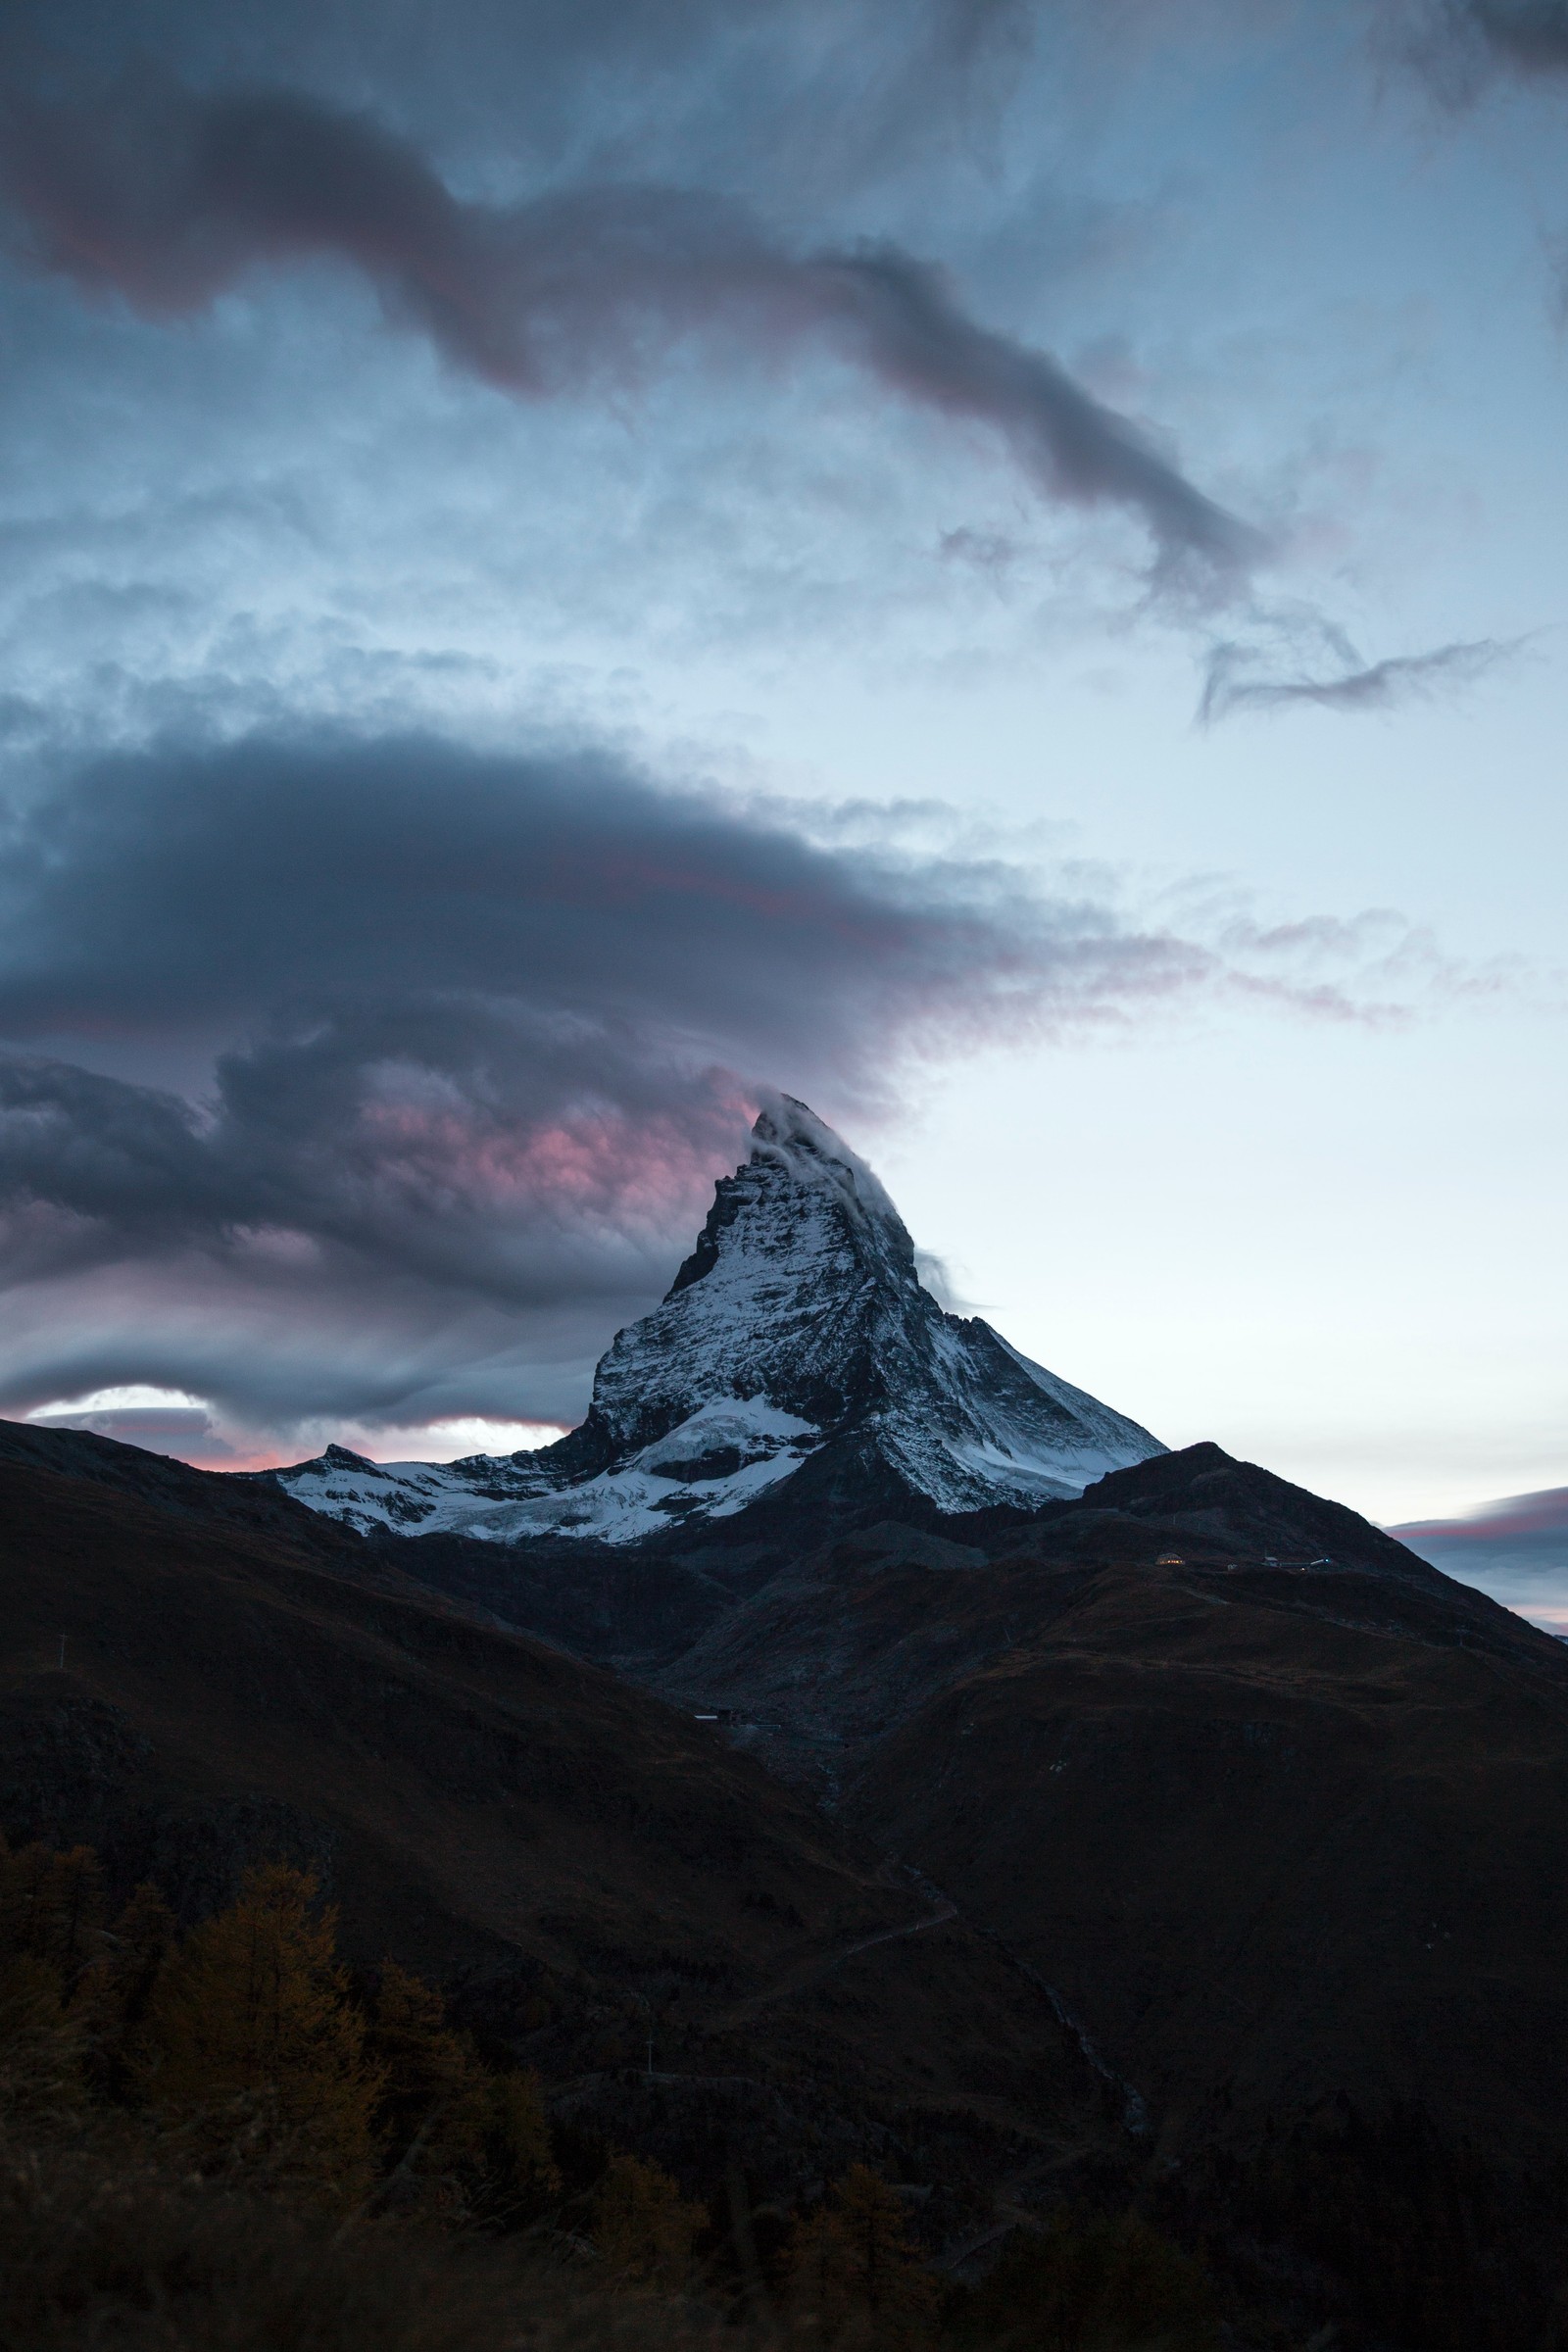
(1219, 1064)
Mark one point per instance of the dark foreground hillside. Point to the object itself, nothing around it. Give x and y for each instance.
(1192, 1862)
(577, 1862)
(1280, 1809)
(1280, 1837)
(1275, 1805)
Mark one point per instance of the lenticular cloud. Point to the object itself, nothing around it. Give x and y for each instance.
(384, 1079)
(464, 1042)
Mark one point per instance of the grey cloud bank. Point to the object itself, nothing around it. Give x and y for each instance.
(467, 1038)
(1515, 1549)
(478, 1031)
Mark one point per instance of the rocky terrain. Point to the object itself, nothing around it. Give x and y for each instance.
(797, 1336)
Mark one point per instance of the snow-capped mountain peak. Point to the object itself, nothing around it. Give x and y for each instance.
(787, 1134)
(798, 1324)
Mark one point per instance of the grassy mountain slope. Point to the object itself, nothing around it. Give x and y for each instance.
(583, 1861)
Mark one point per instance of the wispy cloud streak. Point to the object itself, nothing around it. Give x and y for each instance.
(167, 198)
(1233, 684)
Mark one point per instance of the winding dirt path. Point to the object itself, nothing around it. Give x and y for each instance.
(811, 1971)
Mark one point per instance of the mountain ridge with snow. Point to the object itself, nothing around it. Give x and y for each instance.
(798, 1324)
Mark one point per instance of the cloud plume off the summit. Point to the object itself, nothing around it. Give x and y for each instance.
(168, 199)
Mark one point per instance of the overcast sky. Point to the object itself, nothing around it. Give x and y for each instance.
(1000, 567)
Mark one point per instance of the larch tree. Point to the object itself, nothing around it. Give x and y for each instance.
(251, 2048)
(521, 2179)
(851, 2263)
(431, 2107)
(644, 2228)
(53, 1968)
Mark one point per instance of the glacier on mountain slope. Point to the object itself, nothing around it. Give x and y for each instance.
(798, 1319)
(506, 1497)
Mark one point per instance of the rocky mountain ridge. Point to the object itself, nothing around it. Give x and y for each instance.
(797, 1329)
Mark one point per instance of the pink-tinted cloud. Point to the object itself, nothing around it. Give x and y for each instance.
(477, 1033)
(1515, 1519)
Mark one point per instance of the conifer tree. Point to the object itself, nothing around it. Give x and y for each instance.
(851, 2264)
(433, 2104)
(42, 2044)
(522, 2180)
(143, 1936)
(139, 1942)
(52, 1966)
(644, 2228)
(51, 1908)
(251, 2048)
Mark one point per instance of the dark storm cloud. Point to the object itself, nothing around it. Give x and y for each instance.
(167, 198)
(484, 1028)
(519, 40)
(435, 1141)
(478, 1033)
(1232, 685)
(1462, 47)
(1531, 34)
(161, 890)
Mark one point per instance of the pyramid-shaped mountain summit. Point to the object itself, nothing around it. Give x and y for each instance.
(797, 1358)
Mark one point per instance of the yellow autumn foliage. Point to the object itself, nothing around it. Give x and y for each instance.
(250, 2046)
(521, 2173)
(644, 2228)
(853, 2268)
